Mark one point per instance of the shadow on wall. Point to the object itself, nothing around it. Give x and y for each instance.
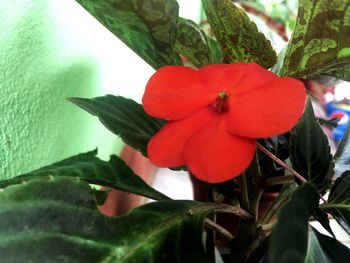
(38, 125)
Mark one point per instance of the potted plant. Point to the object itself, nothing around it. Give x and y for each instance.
(238, 119)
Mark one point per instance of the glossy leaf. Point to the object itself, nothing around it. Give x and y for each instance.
(56, 220)
(342, 155)
(192, 43)
(86, 166)
(339, 201)
(324, 249)
(310, 152)
(147, 27)
(320, 41)
(124, 117)
(289, 238)
(238, 36)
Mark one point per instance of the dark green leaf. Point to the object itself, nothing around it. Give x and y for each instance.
(53, 220)
(226, 190)
(339, 201)
(322, 217)
(250, 195)
(86, 166)
(310, 152)
(192, 43)
(331, 123)
(324, 249)
(124, 117)
(289, 238)
(56, 220)
(238, 36)
(249, 183)
(342, 155)
(100, 196)
(259, 253)
(147, 27)
(282, 197)
(320, 41)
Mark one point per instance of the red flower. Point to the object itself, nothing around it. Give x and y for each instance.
(216, 113)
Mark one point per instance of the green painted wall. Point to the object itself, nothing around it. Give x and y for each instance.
(51, 50)
(48, 52)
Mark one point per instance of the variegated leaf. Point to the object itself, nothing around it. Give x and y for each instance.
(321, 39)
(147, 27)
(238, 36)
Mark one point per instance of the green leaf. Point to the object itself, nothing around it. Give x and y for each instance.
(320, 41)
(341, 73)
(289, 238)
(216, 53)
(342, 155)
(310, 152)
(147, 27)
(124, 117)
(282, 197)
(86, 166)
(322, 217)
(324, 249)
(192, 43)
(56, 220)
(339, 201)
(238, 36)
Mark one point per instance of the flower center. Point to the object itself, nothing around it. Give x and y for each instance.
(221, 105)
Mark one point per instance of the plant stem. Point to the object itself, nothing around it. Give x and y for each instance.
(244, 191)
(229, 209)
(285, 166)
(210, 240)
(286, 179)
(267, 227)
(218, 229)
(280, 162)
(273, 209)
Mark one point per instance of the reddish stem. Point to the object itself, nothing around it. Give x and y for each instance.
(284, 165)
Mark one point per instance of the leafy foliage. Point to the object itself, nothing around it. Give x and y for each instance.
(322, 217)
(147, 27)
(124, 117)
(339, 201)
(341, 73)
(86, 166)
(57, 219)
(324, 249)
(238, 36)
(216, 52)
(320, 42)
(310, 152)
(192, 43)
(292, 226)
(342, 155)
(51, 214)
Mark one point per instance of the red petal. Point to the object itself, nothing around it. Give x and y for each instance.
(176, 92)
(215, 156)
(238, 77)
(268, 110)
(165, 149)
(222, 77)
